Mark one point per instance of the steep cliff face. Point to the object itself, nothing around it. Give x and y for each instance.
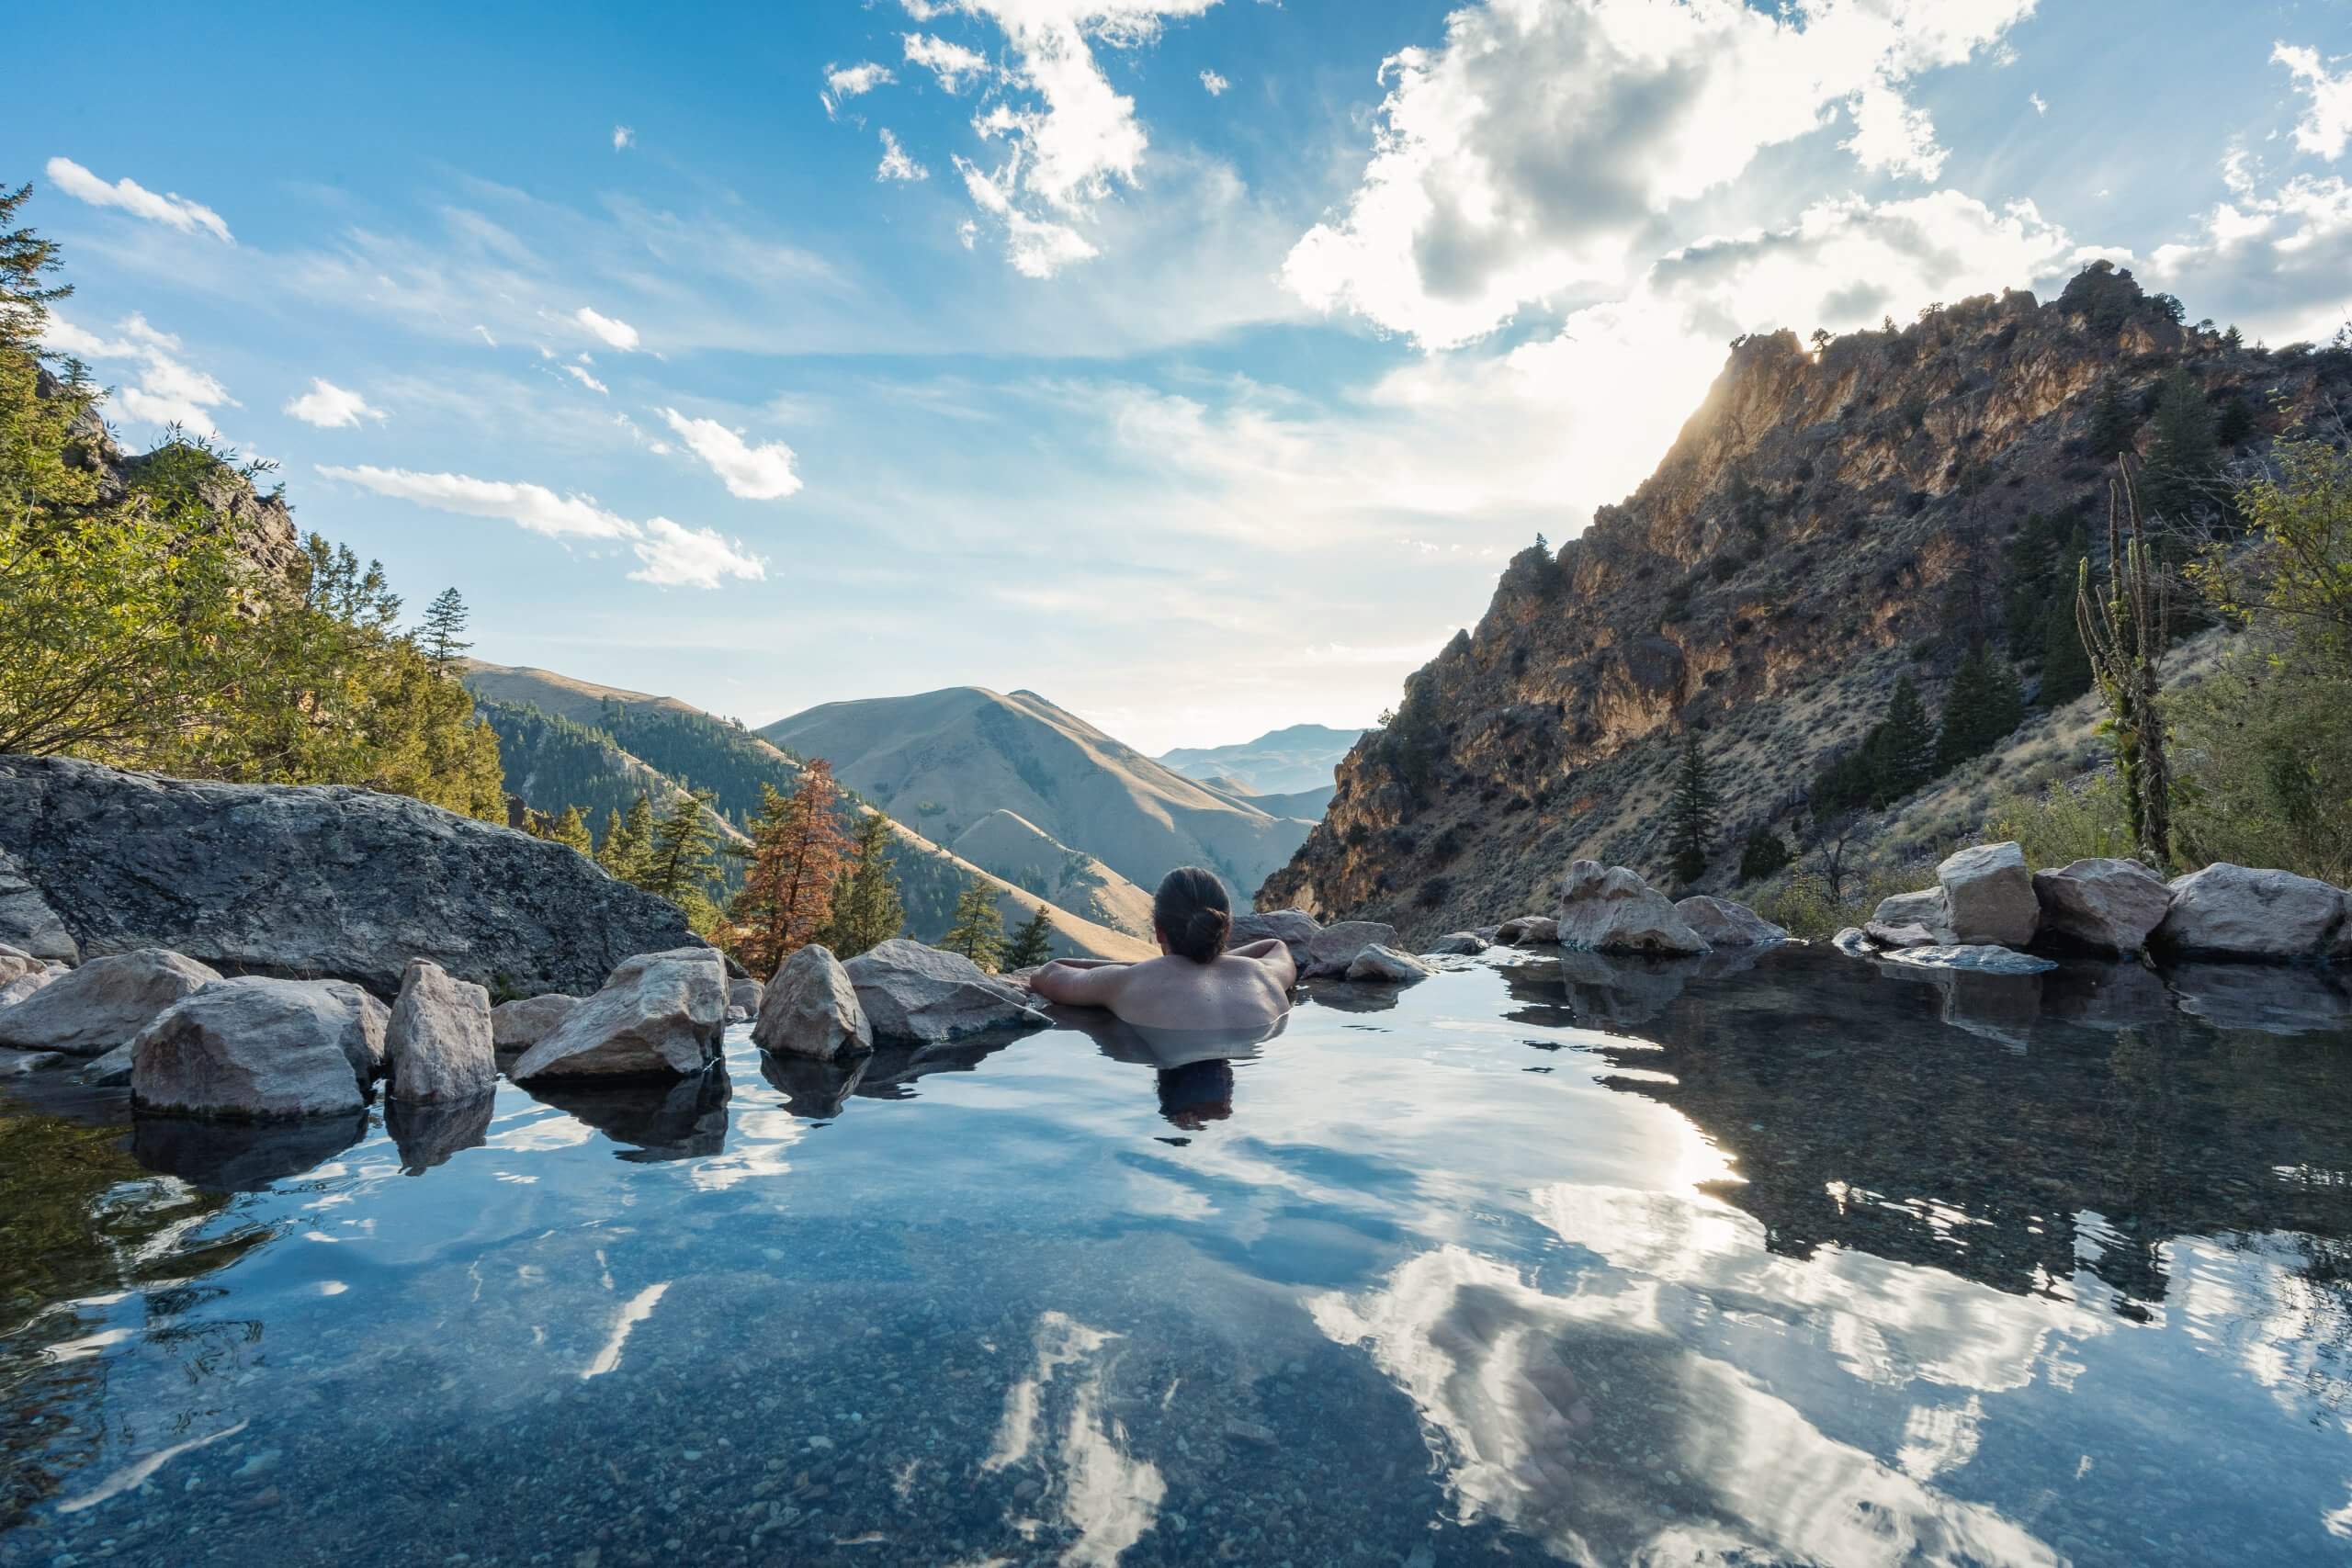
(1824, 522)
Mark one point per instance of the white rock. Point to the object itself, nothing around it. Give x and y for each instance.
(1988, 896)
(24, 986)
(1331, 949)
(1459, 943)
(437, 1049)
(1378, 962)
(1982, 958)
(1854, 943)
(1528, 930)
(659, 1013)
(247, 1049)
(2223, 911)
(16, 963)
(105, 1003)
(811, 1008)
(2109, 906)
(519, 1025)
(1722, 923)
(910, 992)
(1612, 909)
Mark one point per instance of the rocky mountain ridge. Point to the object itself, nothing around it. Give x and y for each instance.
(1828, 520)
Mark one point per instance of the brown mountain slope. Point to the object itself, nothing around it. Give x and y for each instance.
(1822, 525)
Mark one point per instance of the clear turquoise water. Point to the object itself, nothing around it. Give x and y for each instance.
(1535, 1263)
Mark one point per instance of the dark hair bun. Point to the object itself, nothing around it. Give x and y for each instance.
(1193, 913)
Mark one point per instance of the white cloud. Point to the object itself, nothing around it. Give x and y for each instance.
(761, 472)
(617, 333)
(669, 555)
(2327, 123)
(1038, 247)
(166, 390)
(2276, 263)
(484, 331)
(585, 380)
(952, 63)
(843, 83)
(171, 208)
(2039, 107)
(677, 556)
(1528, 153)
(330, 407)
(896, 165)
(1215, 83)
(623, 138)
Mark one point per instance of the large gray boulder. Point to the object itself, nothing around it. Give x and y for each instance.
(519, 1026)
(1612, 909)
(2229, 911)
(2106, 905)
(105, 1003)
(1297, 928)
(249, 1049)
(920, 994)
(810, 1010)
(1988, 896)
(1388, 966)
(27, 922)
(364, 1035)
(438, 1051)
(325, 881)
(1722, 923)
(1911, 919)
(658, 1015)
(1334, 948)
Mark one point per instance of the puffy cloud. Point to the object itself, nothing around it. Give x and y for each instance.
(1527, 153)
(2327, 123)
(330, 407)
(2273, 262)
(1215, 83)
(617, 333)
(843, 83)
(1038, 247)
(166, 390)
(669, 555)
(896, 165)
(170, 208)
(950, 63)
(623, 138)
(761, 472)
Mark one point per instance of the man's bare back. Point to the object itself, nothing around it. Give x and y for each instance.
(1247, 988)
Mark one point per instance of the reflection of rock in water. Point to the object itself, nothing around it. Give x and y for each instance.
(1350, 996)
(1613, 991)
(428, 1135)
(813, 1090)
(1855, 1115)
(1995, 1007)
(1580, 1420)
(241, 1156)
(2270, 998)
(684, 1119)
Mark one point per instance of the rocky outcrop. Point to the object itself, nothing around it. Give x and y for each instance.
(27, 922)
(248, 1049)
(1335, 947)
(1612, 909)
(658, 1015)
(2101, 905)
(1388, 966)
(2232, 911)
(912, 993)
(1722, 923)
(519, 1025)
(438, 1051)
(811, 1008)
(1988, 896)
(105, 1003)
(316, 882)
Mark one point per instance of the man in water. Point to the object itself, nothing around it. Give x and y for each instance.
(1195, 983)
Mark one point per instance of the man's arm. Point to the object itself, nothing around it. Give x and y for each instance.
(1086, 983)
(1274, 953)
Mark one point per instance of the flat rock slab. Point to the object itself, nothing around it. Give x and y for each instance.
(316, 881)
(248, 1049)
(1722, 923)
(105, 1003)
(658, 1015)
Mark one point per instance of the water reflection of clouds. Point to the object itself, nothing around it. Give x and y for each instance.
(1103, 1492)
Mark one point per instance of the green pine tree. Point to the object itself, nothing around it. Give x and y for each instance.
(571, 829)
(1902, 750)
(2066, 668)
(683, 858)
(627, 842)
(443, 637)
(1693, 813)
(1985, 702)
(2184, 452)
(868, 908)
(978, 932)
(2112, 421)
(1033, 943)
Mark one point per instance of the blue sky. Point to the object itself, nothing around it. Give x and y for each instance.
(1195, 362)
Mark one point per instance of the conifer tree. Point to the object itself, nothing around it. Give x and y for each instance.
(978, 931)
(1693, 813)
(2112, 421)
(798, 851)
(1904, 749)
(2066, 668)
(867, 910)
(1762, 854)
(682, 861)
(627, 840)
(571, 829)
(443, 636)
(1033, 943)
(2184, 450)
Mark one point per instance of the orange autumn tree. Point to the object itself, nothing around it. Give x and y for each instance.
(798, 853)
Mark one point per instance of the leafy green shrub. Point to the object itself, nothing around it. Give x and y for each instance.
(2078, 820)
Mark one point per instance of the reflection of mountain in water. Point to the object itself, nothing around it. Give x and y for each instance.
(2011, 1133)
